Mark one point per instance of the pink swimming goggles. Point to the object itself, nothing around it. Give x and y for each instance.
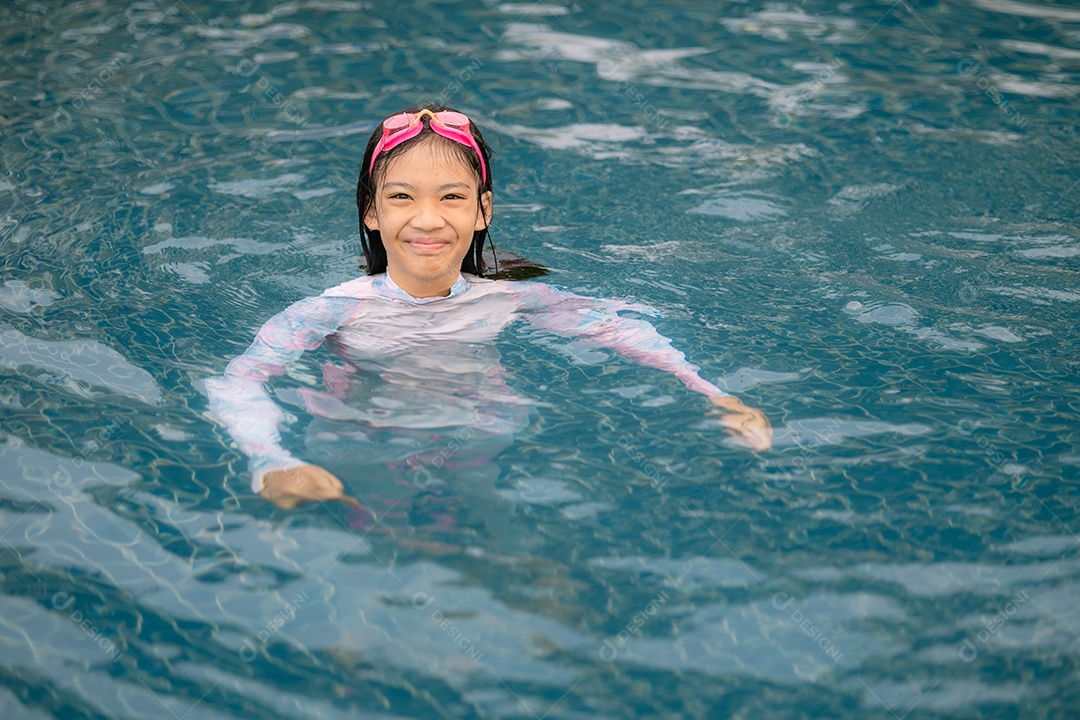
(451, 125)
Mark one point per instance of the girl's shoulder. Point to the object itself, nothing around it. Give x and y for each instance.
(491, 286)
(517, 289)
(355, 288)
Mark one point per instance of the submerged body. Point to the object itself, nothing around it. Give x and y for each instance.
(419, 364)
(418, 333)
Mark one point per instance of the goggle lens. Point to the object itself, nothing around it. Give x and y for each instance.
(453, 119)
(399, 122)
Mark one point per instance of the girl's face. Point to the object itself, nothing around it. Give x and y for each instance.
(426, 210)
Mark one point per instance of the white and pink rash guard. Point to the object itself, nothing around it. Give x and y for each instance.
(419, 363)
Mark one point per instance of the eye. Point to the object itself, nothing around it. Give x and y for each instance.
(399, 196)
(453, 196)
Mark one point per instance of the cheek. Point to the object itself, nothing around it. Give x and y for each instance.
(389, 222)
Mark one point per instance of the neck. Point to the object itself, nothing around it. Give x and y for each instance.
(420, 288)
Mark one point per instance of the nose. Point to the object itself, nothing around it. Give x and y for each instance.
(428, 217)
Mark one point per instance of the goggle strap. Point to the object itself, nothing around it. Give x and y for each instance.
(394, 137)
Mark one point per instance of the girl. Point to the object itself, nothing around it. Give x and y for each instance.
(422, 387)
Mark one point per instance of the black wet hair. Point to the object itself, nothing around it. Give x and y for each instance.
(370, 240)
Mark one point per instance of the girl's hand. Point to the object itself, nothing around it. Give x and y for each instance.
(289, 488)
(747, 425)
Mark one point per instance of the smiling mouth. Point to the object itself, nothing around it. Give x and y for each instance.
(428, 244)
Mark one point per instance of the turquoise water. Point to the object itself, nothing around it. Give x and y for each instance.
(860, 218)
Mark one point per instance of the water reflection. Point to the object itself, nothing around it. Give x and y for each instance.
(863, 216)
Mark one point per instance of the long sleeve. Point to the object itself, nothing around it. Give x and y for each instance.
(598, 323)
(239, 397)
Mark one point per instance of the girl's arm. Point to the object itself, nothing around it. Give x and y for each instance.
(597, 322)
(239, 397)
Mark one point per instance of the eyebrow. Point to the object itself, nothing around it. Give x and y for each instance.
(446, 186)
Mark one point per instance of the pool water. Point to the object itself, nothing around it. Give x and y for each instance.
(858, 217)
